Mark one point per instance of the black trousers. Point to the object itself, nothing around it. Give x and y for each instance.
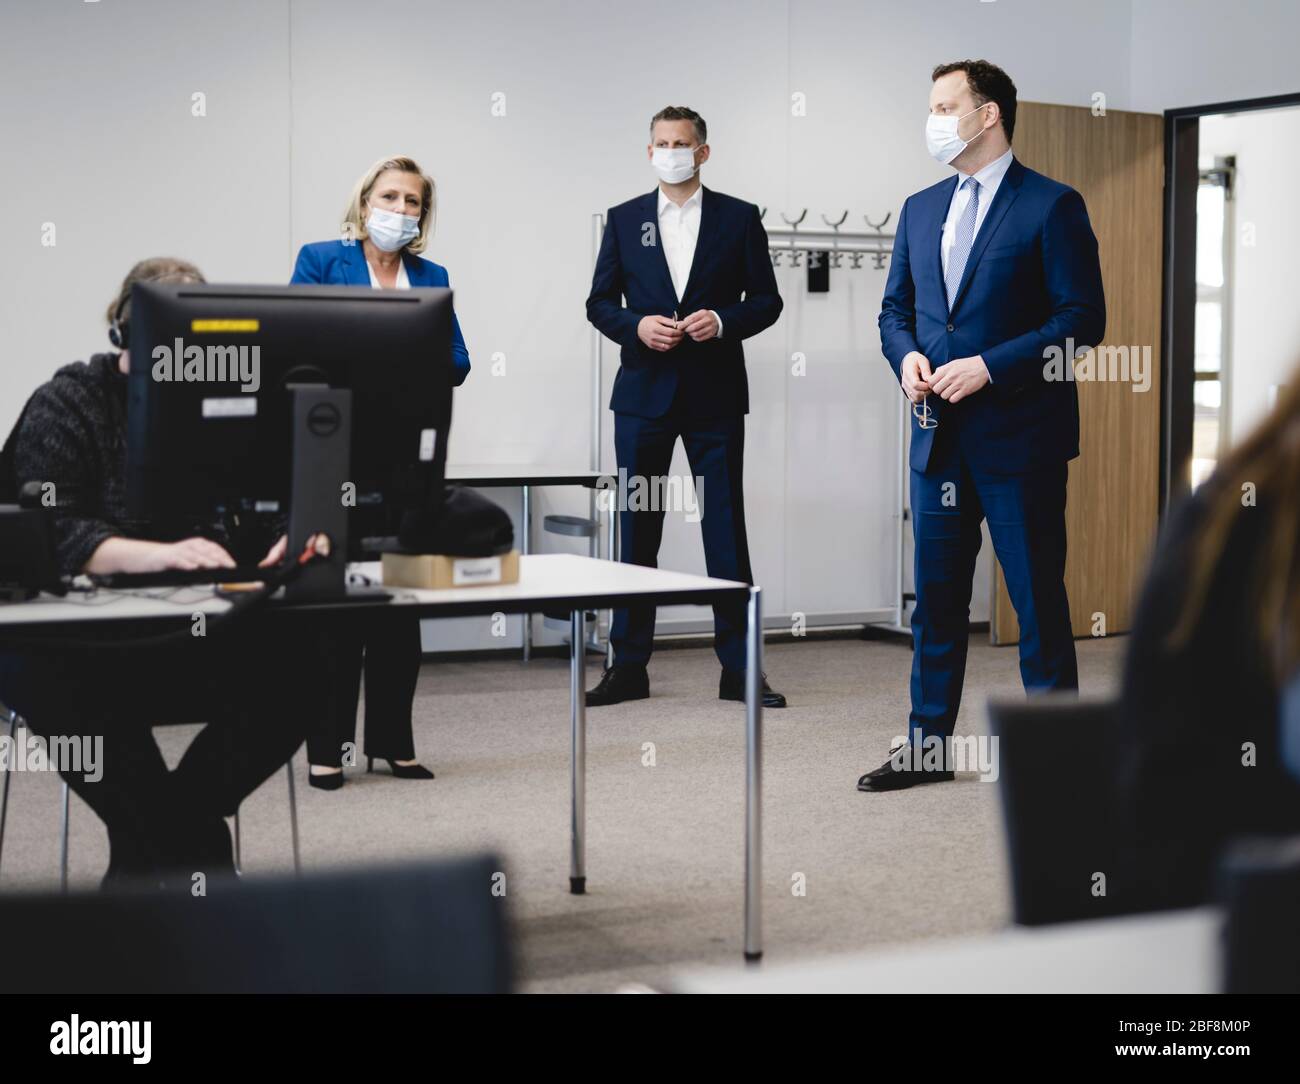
(389, 648)
(715, 449)
(254, 689)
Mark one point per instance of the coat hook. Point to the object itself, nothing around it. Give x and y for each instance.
(794, 225)
(878, 258)
(836, 255)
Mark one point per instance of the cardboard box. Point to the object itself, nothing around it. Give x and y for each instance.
(436, 570)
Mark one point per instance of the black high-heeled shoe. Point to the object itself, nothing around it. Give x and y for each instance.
(402, 771)
(325, 780)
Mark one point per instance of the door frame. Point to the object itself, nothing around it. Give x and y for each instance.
(1178, 286)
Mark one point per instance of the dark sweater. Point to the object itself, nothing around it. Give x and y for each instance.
(1187, 713)
(72, 433)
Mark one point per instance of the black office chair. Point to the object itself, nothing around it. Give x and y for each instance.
(9, 494)
(438, 927)
(1259, 885)
(1056, 758)
(14, 721)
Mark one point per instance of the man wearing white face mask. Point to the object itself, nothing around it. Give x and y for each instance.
(994, 272)
(683, 276)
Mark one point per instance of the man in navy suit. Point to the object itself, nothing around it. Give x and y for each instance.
(994, 287)
(683, 277)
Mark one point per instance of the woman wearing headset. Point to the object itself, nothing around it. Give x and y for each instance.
(254, 690)
(387, 225)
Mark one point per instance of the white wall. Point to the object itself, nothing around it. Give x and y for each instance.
(98, 138)
(1200, 52)
(1265, 332)
(302, 96)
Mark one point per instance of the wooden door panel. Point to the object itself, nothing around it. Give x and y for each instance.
(1116, 162)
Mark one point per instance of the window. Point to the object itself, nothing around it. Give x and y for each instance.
(1213, 312)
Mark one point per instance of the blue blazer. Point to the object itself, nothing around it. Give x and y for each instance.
(731, 274)
(1033, 280)
(336, 264)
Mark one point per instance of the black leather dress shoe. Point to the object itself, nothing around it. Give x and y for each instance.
(901, 771)
(619, 683)
(732, 687)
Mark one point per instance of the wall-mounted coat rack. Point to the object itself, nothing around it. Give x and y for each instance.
(826, 249)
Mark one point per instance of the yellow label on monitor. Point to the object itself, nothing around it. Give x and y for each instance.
(225, 325)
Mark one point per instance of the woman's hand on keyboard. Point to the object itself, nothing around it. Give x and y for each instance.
(119, 554)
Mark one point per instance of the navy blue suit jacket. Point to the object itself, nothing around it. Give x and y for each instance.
(731, 274)
(338, 264)
(1032, 281)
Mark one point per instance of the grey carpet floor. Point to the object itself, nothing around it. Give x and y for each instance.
(664, 858)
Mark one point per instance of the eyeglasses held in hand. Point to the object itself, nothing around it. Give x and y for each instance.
(925, 419)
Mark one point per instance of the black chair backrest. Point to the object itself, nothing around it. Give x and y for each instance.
(1259, 884)
(9, 464)
(429, 928)
(1056, 763)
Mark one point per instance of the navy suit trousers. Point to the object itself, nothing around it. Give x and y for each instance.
(1026, 517)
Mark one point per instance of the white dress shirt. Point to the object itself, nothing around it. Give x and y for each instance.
(988, 178)
(403, 280)
(679, 229)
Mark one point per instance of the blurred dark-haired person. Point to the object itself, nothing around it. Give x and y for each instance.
(386, 225)
(993, 270)
(682, 279)
(250, 687)
(1215, 640)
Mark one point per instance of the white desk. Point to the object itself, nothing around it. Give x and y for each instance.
(525, 477)
(1172, 953)
(548, 581)
(486, 475)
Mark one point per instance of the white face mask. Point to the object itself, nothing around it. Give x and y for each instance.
(674, 164)
(941, 138)
(391, 231)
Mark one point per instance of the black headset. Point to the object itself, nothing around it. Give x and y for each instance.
(119, 330)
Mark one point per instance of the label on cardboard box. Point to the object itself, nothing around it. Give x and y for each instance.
(432, 571)
(466, 571)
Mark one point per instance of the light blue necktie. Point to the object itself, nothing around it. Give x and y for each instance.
(963, 241)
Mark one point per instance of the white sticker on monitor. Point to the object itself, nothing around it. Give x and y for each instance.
(466, 571)
(235, 406)
(428, 439)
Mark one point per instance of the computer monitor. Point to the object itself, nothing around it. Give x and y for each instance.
(208, 403)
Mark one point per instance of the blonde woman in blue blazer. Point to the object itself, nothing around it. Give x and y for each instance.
(386, 227)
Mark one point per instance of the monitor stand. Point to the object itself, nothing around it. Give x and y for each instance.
(322, 443)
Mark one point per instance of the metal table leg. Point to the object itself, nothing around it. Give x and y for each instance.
(614, 555)
(293, 814)
(754, 777)
(63, 840)
(4, 799)
(593, 551)
(526, 548)
(578, 757)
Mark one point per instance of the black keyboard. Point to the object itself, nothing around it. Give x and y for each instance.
(182, 577)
